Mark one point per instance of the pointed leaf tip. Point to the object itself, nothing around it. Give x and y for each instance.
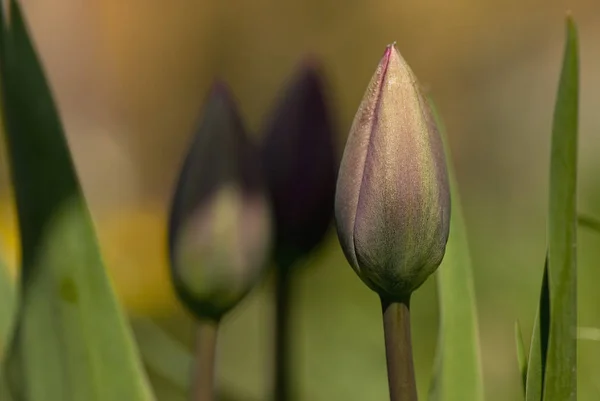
(560, 382)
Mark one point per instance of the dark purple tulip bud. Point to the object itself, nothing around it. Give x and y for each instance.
(300, 162)
(393, 200)
(219, 230)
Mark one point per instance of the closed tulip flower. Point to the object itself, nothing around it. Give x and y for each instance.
(300, 161)
(219, 232)
(392, 205)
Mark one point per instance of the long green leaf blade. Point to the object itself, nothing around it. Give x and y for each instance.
(72, 338)
(560, 383)
(538, 349)
(8, 308)
(458, 375)
(521, 354)
(8, 304)
(8, 298)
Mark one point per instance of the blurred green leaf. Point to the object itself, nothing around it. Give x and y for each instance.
(72, 340)
(458, 375)
(521, 354)
(8, 308)
(4, 390)
(8, 303)
(163, 355)
(170, 361)
(560, 383)
(588, 333)
(590, 222)
(8, 300)
(538, 350)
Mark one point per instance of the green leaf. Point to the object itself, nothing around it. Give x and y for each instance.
(8, 304)
(560, 383)
(590, 222)
(72, 338)
(521, 354)
(458, 375)
(538, 350)
(588, 333)
(8, 309)
(4, 392)
(8, 300)
(163, 355)
(170, 361)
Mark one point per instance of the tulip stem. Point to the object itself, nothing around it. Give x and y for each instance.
(282, 325)
(398, 350)
(203, 379)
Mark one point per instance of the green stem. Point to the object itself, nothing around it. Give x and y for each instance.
(398, 350)
(282, 324)
(203, 380)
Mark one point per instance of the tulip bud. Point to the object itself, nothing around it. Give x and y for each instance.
(300, 162)
(219, 230)
(392, 199)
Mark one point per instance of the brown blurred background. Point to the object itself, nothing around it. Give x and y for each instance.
(130, 78)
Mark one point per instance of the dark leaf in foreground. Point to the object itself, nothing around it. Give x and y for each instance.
(72, 340)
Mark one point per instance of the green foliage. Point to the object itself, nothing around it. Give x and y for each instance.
(458, 373)
(589, 222)
(72, 341)
(8, 309)
(552, 368)
(536, 365)
(8, 304)
(560, 383)
(163, 355)
(521, 354)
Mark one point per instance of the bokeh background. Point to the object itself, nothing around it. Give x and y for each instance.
(130, 78)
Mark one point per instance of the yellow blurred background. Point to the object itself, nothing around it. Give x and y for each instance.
(130, 78)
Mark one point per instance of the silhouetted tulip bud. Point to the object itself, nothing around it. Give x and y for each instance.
(300, 162)
(392, 199)
(219, 231)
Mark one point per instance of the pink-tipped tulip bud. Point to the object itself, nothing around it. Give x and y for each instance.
(392, 205)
